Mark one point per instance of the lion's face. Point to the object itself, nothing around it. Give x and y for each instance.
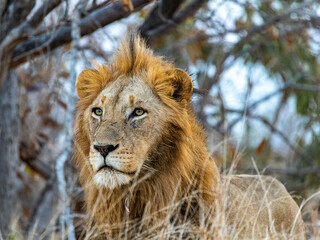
(131, 114)
(124, 121)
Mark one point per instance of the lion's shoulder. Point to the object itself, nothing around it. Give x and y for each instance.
(245, 182)
(260, 201)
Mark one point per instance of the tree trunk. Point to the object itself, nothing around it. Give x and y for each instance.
(9, 148)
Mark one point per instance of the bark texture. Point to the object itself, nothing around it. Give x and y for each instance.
(9, 148)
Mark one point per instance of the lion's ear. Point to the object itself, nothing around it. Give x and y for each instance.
(91, 81)
(183, 86)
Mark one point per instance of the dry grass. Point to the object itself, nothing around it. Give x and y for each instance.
(217, 228)
(173, 228)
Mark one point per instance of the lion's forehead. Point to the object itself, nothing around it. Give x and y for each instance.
(125, 91)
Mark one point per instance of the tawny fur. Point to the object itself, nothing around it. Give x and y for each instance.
(177, 164)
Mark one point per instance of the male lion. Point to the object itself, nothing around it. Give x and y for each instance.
(143, 160)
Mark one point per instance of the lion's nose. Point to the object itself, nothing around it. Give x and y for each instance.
(106, 149)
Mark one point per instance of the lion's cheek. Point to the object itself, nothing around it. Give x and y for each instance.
(95, 159)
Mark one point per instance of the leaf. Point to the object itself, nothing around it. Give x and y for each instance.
(50, 123)
(127, 5)
(62, 104)
(43, 110)
(67, 46)
(262, 146)
(64, 74)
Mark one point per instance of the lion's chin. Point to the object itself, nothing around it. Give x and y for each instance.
(111, 180)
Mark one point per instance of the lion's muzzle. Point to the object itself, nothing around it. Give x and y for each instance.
(105, 149)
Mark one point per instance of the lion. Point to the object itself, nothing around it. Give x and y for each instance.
(143, 160)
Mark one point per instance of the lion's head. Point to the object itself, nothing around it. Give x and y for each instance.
(127, 109)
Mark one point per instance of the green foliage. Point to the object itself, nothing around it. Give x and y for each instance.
(284, 49)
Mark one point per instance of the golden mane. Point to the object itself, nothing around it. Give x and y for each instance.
(192, 167)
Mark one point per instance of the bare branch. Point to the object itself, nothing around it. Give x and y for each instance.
(43, 169)
(249, 33)
(13, 13)
(3, 5)
(25, 28)
(161, 13)
(170, 24)
(43, 202)
(30, 157)
(95, 20)
(43, 11)
(296, 149)
(287, 86)
(19, 33)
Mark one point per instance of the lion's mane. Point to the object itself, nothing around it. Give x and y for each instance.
(180, 157)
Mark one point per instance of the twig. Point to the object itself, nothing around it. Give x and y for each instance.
(296, 149)
(31, 159)
(249, 33)
(224, 63)
(20, 32)
(222, 109)
(161, 13)
(43, 169)
(177, 18)
(267, 97)
(40, 205)
(287, 86)
(42, 11)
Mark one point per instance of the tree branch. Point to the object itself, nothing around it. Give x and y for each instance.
(44, 199)
(13, 13)
(43, 169)
(170, 24)
(30, 157)
(43, 11)
(161, 13)
(19, 33)
(296, 149)
(88, 24)
(250, 32)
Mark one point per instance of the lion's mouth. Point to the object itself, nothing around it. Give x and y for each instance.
(110, 168)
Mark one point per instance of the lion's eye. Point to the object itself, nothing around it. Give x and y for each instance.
(138, 112)
(97, 111)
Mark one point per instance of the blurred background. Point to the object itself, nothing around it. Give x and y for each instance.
(255, 63)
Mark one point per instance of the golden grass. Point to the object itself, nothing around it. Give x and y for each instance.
(172, 228)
